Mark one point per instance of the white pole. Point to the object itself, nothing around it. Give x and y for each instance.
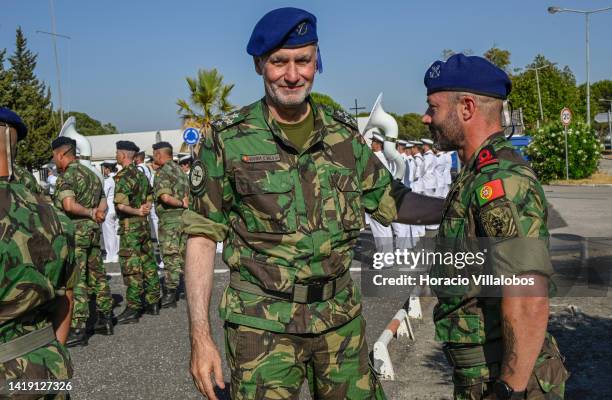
(566, 155)
(588, 81)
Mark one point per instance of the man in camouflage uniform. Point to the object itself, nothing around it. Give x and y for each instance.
(79, 193)
(25, 177)
(284, 183)
(171, 191)
(133, 200)
(36, 278)
(496, 343)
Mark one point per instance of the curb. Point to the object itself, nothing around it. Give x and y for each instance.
(398, 327)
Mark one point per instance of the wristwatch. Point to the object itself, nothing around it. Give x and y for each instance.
(504, 392)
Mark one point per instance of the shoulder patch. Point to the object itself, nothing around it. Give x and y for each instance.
(228, 120)
(197, 176)
(345, 118)
(490, 191)
(486, 156)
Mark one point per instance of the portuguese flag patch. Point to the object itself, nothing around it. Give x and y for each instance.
(490, 191)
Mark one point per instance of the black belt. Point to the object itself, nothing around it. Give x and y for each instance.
(300, 293)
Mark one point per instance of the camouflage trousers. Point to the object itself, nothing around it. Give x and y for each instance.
(50, 362)
(91, 276)
(138, 268)
(172, 245)
(547, 381)
(269, 365)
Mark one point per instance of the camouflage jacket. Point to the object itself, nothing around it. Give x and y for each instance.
(287, 216)
(131, 189)
(497, 205)
(79, 182)
(37, 258)
(25, 177)
(171, 180)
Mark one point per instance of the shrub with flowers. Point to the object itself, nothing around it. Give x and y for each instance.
(547, 151)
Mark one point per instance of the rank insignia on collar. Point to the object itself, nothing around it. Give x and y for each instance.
(490, 191)
(486, 156)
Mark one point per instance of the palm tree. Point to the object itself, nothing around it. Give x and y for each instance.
(208, 99)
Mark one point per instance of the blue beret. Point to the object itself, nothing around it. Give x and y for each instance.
(13, 120)
(127, 145)
(461, 73)
(286, 27)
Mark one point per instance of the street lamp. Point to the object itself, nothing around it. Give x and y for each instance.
(538, 86)
(586, 13)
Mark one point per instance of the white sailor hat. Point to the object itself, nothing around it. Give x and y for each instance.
(417, 143)
(427, 141)
(409, 144)
(378, 138)
(109, 162)
(402, 142)
(185, 158)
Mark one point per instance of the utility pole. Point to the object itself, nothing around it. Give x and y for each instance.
(54, 36)
(356, 109)
(536, 69)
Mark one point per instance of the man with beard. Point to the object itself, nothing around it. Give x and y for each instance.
(284, 183)
(496, 342)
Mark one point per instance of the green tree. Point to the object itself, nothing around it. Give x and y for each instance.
(5, 82)
(326, 100)
(547, 151)
(87, 126)
(499, 57)
(599, 90)
(31, 99)
(557, 86)
(208, 99)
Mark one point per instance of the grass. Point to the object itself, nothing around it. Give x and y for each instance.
(597, 178)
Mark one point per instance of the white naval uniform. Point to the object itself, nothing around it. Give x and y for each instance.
(404, 232)
(443, 169)
(152, 215)
(383, 235)
(417, 186)
(430, 181)
(110, 226)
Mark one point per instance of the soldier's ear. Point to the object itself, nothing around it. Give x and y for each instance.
(467, 107)
(257, 64)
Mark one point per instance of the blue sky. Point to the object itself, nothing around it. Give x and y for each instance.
(127, 60)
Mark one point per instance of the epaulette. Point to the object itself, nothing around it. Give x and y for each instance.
(486, 156)
(345, 118)
(228, 120)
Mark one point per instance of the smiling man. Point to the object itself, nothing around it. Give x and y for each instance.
(284, 183)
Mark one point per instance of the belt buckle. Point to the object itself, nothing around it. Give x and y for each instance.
(315, 292)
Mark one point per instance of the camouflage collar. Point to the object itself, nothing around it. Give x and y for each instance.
(494, 140)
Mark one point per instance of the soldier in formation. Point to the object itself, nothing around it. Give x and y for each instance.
(37, 275)
(133, 202)
(79, 193)
(109, 226)
(171, 191)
